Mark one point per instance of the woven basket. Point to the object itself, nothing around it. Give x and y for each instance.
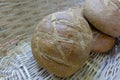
(18, 19)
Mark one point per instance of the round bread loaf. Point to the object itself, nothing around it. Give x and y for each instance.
(104, 15)
(101, 42)
(62, 42)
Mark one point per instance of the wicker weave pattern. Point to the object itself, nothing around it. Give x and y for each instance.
(22, 66)
(18, 18)
(19, 64)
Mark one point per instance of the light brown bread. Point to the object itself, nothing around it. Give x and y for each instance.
(62, 42)
(101, 42)
(104, 15)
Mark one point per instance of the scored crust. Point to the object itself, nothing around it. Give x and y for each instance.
(62, 42)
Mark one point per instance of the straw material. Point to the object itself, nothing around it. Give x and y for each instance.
(19, 64)
(18, 18)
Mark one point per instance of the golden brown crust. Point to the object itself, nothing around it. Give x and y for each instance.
(62, 42)
(102, 42)
(104, 15)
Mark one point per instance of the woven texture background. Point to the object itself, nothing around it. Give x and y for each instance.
(18, 19)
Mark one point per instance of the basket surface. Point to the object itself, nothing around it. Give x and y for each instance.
(18, 19)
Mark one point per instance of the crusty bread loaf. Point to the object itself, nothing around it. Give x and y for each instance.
(101, 42)
(104, 15)
(62, 42)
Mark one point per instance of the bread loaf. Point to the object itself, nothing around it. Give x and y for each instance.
(62, 42)
(101, 42)
(104, 15)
